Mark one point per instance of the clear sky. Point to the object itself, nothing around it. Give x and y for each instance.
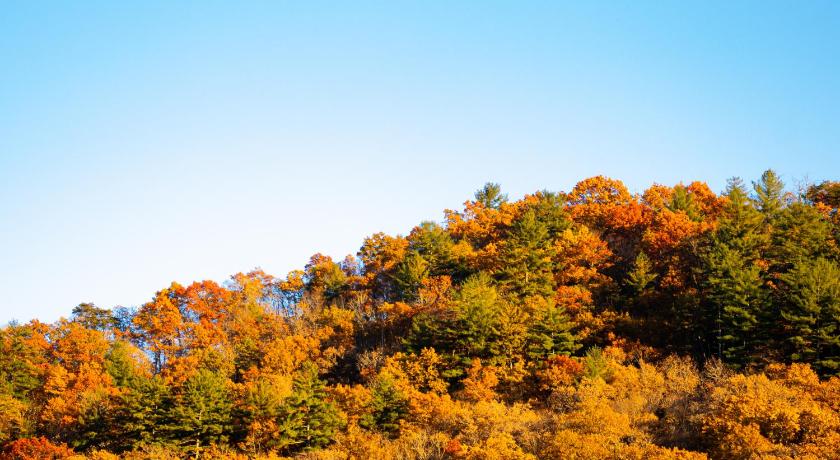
(145, 143)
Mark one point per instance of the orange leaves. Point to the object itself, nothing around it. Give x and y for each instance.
(353, 400)
(601, 202)
(707, 201)
(293, 281)
(580, 256)
(480, 383)
(284, 355)
(657, 196)
(409, 318)
(325, 277)
(75, 347)
(478, 230)
(417, 372)
(669, 230)
(179, 323)
(76, 379)
(752, 415)
(599, 190)
(559, 371)
(380, 252)
(479, 224)
(36, 449)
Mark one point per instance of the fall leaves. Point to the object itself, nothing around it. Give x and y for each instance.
(676, 323)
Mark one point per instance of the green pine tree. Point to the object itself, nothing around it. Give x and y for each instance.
(742, 227)
(550, 209)
(387, 407)
(737, 292)
(434, 243)
(491, 196)
(800, 233)
(768, 193)
(737, 296)
(526, 268)
(681, 200)
(641, 275)
(550, 334)
(409, 276)
(811, 312)
(308, 420)
(141, 414)
(473, 328)
(201, 414)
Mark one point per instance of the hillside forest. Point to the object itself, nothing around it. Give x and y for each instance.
(678, 323)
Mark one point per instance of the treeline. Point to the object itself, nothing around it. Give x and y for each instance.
(678, 323)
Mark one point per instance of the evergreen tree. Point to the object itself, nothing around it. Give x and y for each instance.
(737, 297)
(768, 193)
(550, 209)
(387, 407)
(120, 364)
(478, 309)
(434, 243)
(471, 329)
(526, 268)
(740, 300)
(550, 335)
(308, 420)
(681, 200)
(641, 275)
(811, 312)
(201, 414)
(800, 233)
(741, 227)
(595, 364)
(409, 276)
(491, 196)
(141, 415)
(20, 363)
(94, 426)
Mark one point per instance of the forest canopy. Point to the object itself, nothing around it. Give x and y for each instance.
(589, 324)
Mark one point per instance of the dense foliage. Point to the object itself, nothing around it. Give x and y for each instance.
(591, 324)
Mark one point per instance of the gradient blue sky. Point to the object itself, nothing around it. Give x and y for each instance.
(145, 143)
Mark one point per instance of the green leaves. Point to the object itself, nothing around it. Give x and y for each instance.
(307, 420)
(201, 414)
(641, 275)
(526, 267)
(550, 335)
(491, 196)
(768, 192)
(811, 311)
(409, 276)
(387, 407)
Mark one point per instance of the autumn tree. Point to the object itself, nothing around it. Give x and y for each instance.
(559, 325)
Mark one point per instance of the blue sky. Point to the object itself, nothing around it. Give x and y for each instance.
(145, 143)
